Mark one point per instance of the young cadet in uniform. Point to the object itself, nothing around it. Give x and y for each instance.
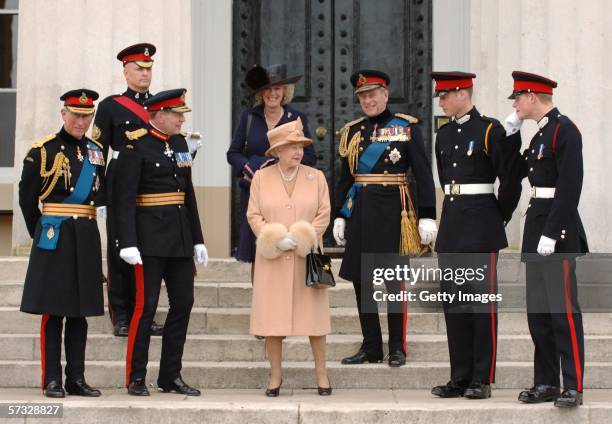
(552, 239)
(159, 234)
(377, 151)
(116, 115)
(472, 152)
(65, 172)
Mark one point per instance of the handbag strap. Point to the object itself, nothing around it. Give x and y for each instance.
(246, 134)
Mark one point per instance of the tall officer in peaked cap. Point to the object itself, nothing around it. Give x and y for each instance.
(64, 172)
(159, 233)
(553, 237)
(116, 115)
(472, 151)
(374, 206)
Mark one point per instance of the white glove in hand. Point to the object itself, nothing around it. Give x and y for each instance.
(288, 243)
(131, 255)
(194, 141)
(546, 246)
(339, 227)
(513, 123)
(200, 254)
(101, 212)
(427, 230)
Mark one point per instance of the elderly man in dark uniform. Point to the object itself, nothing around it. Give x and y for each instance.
(159, 234)
(472, 151)
(377, 151)
(64, 172)
(552, 239)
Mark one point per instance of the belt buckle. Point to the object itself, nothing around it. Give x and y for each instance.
(533, 192)
(455, 189)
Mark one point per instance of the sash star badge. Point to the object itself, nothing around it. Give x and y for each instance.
(394, 156)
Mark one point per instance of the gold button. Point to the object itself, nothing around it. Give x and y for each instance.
(386, 160)
(361, 139)
(386, 172)
(562, 236)
(62, 147)
(179, 206)
(93, 173)
(91, 203)
(362, 127)
(71, 188)
(157, 165)
(456, 147)
(530, 169)
(529, 205)
(388, 147)
(458, 130)
(361, 149)
(74, 216)
(452, 199)
(532, 150)
(540, 134)
(562, 231)
(455, 165)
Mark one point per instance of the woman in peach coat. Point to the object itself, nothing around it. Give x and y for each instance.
(289, 210)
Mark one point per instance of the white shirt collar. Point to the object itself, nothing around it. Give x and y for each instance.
(463, 119)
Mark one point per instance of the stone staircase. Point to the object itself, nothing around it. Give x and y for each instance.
(230, 365)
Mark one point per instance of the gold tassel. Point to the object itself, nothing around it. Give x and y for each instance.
(410, 241)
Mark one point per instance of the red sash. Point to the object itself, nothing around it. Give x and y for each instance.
(133, 107)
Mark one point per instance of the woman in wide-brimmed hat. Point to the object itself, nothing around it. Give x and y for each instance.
(272, 91)
(289, 210)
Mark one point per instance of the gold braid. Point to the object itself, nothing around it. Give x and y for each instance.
(60, 166)
(350, 149)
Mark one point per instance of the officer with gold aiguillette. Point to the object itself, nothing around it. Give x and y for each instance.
(64, 172)
(377, 151)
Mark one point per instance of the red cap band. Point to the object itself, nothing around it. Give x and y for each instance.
(79, 101)
(371, 80)
(135, 57)
(536, 87)
(453, 84)
(167, 104)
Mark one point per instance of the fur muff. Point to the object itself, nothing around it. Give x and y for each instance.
(305, 237)
(268, 237)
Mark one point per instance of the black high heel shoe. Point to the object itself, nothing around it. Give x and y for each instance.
(274, 392)
(325, 391)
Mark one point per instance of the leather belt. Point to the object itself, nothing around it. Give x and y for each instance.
(66, 209)
(384, 179)
(543, 192)
(160, 199)
(461, 189)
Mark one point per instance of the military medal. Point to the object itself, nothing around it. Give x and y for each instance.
(541, 152)
(183, 159)
(395, 156)
(79, 154)
(168, 151)
(470, 148)
(96, 157)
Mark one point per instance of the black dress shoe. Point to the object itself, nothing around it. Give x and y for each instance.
(274, 392)
(397, 359)
(121, 329)
(570, 398)
(179, 386)
(478, 391)
(449, 390)
(81, 388)
(157, 329)
(361, 357)
(54, 390)
(138, 387)
(540, 393)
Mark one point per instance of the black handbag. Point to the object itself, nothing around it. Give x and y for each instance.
(319, 270)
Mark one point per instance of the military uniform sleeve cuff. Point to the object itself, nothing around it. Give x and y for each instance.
(427, 212)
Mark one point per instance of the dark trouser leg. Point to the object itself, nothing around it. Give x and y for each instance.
(397, 319)
(546, 360)
(120, 277)
(178, 276)
(75, 339)
(51, 349)
(148, 284)
(368, 318)
(566, 321)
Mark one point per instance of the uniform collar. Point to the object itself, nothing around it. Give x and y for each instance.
(136, 96)
(552, 114)
(63, 134)
(158, 134)
(463, 119)
(382, 118)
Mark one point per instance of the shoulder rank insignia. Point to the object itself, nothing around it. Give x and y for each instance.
(96, 133)
(408, 118)
(41, 141)
(136, 134)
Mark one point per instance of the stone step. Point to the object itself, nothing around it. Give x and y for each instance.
(296, 406)
(245, 348)
(344, 321)
(593, 297)
(249, 375)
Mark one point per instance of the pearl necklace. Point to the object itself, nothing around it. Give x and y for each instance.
(290, 177)
(271, 122)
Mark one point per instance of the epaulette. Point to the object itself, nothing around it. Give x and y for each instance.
(356, 121)
(408, 118)
(41, 141)
(489, 119)
(136, 134)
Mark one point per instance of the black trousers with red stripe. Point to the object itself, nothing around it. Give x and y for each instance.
(75, 338)
(397, 316)
(555, 323)
(471, 327)
(178, 276)
(120, 277)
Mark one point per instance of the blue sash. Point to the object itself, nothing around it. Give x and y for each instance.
(367, 160)
(50, 225)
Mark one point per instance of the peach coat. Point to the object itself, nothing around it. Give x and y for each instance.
(282, 305)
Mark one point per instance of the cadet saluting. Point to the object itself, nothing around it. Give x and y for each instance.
(552, 239)
(64, 171)
(157, 217)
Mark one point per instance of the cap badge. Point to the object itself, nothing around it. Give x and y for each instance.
(146, 52)
(183, 97)
(362, 80)
(83, 98)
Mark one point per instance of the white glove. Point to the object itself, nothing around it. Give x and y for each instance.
(194, 141)
(288, 243)
(339, 227)
(546, 246)
(101, 212)
(513, 123)
(131, 255)
(427, 230)
(200, 254)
